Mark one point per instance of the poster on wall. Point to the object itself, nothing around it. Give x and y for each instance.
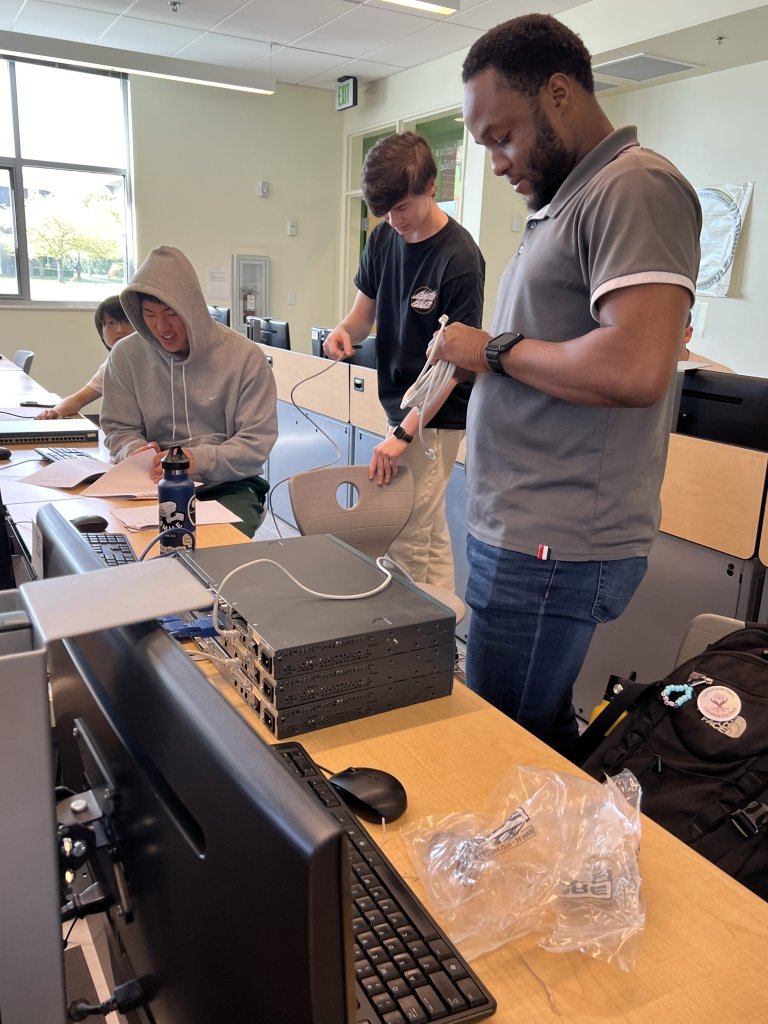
(723, 209)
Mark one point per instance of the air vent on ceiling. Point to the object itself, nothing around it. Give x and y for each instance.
(600, 86)
(642, 67)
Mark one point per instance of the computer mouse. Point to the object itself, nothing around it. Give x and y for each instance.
(90, 523)
(370, 793)
(5, 453)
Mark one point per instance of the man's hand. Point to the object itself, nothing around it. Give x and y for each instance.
(338, 344)
(384, 460)
(464, 347)
(48, 414)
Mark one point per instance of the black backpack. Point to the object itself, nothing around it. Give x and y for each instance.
(698, 743)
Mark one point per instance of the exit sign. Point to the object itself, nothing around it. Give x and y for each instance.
(346, 93)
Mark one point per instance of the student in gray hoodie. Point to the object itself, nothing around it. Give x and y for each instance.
(183, 379)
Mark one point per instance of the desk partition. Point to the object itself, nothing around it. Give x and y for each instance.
(703, 560)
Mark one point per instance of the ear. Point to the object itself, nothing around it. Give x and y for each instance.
(559, 91)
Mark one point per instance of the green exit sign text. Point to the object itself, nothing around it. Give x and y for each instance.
(346, 93)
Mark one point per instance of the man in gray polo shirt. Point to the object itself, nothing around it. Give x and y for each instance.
(569, 418)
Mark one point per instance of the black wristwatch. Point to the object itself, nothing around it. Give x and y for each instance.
(496, 346)
(401, 435)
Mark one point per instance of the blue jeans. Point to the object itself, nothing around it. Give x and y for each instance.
(532, 624)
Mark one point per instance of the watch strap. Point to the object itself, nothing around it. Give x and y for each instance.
(497, 346)
(402, 435)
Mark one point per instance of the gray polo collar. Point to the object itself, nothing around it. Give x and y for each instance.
(585, 170)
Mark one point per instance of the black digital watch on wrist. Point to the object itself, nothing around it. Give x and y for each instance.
(497, 346)
(401, 435)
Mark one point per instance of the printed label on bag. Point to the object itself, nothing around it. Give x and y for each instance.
(719, 703)
(598, 887)
(515, 830)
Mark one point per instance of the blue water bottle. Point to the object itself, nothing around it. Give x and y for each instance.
(176, 499)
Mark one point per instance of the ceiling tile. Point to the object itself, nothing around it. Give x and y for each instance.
(488, 13)
(215, 48)
(146, 37)
(59, 21)
(200, 14)
(364, 29)
(364, 70)
(427, 44)
(284, 21)
(294, 66)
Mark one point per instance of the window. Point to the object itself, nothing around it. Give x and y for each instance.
(64, 184)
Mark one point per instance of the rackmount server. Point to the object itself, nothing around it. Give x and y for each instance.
(307, 660)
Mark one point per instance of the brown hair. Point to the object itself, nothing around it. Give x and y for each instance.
(398, 166)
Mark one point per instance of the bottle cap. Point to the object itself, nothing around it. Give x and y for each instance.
(175, 461)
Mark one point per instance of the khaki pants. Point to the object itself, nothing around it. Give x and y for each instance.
(423, 548)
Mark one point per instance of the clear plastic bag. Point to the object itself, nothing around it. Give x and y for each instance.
(551, 853)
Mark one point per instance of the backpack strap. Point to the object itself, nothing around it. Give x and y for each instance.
(628, 696)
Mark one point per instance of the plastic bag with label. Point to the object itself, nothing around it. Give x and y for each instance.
(551, 853)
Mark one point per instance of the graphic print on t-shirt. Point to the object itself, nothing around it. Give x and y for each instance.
(424, 299)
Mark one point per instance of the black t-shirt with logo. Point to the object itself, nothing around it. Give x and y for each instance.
(413, 284)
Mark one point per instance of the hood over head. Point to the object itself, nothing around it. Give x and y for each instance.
(168, 275)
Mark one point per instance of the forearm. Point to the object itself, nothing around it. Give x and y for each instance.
(626, 361)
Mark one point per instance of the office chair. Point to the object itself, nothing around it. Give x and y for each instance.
(23, 358)
(374, 521)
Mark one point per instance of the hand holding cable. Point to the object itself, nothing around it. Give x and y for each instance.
(463, 347)
(431, 388)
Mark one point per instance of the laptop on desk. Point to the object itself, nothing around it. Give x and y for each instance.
(32, 431)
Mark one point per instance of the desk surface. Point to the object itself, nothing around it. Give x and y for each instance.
(701, 958)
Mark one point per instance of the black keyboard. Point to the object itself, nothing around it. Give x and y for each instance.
(57, 454)
(408, 970)
(114, 548)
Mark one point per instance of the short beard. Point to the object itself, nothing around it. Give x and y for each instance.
(549, 160)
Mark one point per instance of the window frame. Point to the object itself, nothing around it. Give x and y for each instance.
(15, 166)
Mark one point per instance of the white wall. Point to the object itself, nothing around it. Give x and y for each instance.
(712, 128)
(198, 152)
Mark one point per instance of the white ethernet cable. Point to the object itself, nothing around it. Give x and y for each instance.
(429, 387)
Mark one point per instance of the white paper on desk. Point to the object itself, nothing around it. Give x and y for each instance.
(66, 473)
(146, 517)
(127, 479)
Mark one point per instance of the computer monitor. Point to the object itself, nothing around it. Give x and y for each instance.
(220, 314)
(365, 353)
(725, 407)
(275, 333)
(231, 882)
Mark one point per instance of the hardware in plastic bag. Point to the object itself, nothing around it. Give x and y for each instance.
(552, 854)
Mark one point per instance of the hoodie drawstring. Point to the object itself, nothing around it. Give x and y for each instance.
(173, 400)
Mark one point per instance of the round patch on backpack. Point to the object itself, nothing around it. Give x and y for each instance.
(719, 703)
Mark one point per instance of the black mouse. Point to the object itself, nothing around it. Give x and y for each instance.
(5, 453)
(371, 793)
(90, 523)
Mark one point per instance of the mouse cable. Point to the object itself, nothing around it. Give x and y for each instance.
(314, 593)
(434, 381)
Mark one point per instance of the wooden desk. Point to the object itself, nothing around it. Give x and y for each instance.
(701, 958)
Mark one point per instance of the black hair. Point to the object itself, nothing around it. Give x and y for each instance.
(527, 51)
(109, 309)
(396, 167)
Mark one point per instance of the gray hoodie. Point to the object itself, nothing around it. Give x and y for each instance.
(220, 401)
